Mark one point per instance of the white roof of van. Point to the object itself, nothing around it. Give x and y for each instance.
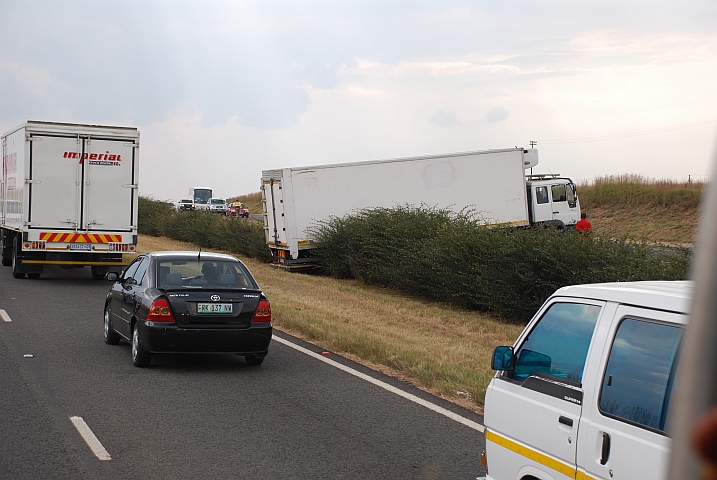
(673, 296)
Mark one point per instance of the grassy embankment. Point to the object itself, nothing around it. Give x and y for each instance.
(440, 348)
(660, 211)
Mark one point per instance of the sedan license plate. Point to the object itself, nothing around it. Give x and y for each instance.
(214, 308)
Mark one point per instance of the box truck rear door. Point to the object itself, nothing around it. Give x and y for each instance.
(55, 171)
(109, 173)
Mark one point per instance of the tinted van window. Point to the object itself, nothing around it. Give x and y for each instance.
(558, 344)
(640, 372)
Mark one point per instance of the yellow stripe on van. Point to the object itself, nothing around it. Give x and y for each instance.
(557, 465)
(583, 476)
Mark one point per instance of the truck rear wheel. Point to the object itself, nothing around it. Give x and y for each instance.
(6, 249)
(16, 261)
(98, 273)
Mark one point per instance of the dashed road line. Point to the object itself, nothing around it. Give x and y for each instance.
(385, 386)
(5, 317)
(90, 438)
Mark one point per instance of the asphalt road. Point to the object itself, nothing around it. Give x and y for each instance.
(199, 416)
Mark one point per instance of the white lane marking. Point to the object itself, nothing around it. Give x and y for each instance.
(5, 317)
(385, 386)
(90, 438)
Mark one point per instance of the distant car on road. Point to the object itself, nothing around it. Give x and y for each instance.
(187, 302)
(218, 205)
(185, 204)
(237, 209)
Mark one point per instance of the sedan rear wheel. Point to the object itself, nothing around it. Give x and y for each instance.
(111, 337)
(140, 356)
(253, 359)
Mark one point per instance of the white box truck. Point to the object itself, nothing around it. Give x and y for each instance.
(493, 183)
(69, 197)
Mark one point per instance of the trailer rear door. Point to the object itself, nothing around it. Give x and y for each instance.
(109, 173)
(55, 173)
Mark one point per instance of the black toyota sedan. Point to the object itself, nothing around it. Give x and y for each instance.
(188, 302)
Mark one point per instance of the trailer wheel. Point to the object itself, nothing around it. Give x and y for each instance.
(98, 273)
(6, 249)
(16, 261)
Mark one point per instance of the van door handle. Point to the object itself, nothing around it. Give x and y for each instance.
(605, 454)
(566, 421)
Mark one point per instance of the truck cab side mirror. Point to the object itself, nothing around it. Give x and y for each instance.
(503, 359)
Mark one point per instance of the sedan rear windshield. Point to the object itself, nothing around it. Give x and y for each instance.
(203, 274)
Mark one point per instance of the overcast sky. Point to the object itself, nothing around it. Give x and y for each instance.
(223, 90)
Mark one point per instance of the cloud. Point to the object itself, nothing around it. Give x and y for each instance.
(445, 119)
(496, 114)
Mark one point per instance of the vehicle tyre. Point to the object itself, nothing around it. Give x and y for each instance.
(98, 273)
(111, 337)
(253, 359)
(16, 261)
(6, 249)
(34, 275)
(140, 356)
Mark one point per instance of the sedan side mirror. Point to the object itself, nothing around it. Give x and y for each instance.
(503, 359)
(111, 276)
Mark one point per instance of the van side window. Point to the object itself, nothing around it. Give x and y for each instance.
(541, 194)
(640, 373)
(558, 344)
(559, 194)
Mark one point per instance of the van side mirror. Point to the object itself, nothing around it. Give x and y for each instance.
(112, 276)
(503, 359)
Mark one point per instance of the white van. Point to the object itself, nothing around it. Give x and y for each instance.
(584, 393)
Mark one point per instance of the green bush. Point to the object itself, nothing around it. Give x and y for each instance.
(452, 257)
(208, 230)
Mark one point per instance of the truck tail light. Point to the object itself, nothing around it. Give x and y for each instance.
(159, 311)
(263, 312)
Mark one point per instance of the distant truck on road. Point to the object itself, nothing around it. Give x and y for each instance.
(68, 197)
(493, 183)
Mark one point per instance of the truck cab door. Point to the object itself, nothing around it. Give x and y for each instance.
(542, 207)
(564, 203)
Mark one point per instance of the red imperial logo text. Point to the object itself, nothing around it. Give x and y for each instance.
(106, 158)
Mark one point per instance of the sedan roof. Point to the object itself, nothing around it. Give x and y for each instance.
(174, 254)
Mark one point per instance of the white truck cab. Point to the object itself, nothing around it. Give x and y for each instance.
(584, 393)
(552, 199)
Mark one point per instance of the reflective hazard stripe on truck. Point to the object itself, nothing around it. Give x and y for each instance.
(80, 237)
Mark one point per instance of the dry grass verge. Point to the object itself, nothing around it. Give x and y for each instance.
(440, 349)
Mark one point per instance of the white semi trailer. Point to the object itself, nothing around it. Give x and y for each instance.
(68, 197)
(493, 183)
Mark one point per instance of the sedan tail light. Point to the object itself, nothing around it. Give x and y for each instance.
(263, 312)
(159, 311)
